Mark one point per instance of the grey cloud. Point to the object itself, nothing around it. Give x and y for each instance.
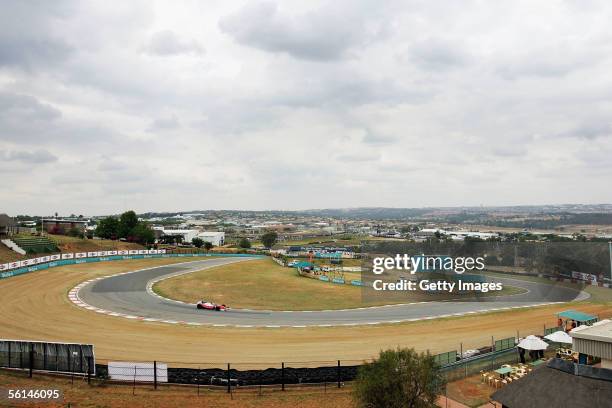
(27, 34)
(589, 131)
(319, 35)
(167, 43)
(23, 117)
(38, 156)
(436, 54)
(162, 124)
(378, 139)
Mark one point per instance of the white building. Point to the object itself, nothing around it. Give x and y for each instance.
(187, 234)
(595, 340)
(217, 238)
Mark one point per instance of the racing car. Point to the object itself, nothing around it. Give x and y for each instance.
(211, 306)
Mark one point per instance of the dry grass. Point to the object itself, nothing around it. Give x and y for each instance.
(260, 284)
(35, 306)
(80, 394)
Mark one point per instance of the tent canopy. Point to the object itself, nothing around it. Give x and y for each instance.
(577, 316)
(533, 343)
(559, 337)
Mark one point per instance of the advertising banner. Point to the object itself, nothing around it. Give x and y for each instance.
(67, 256)
(56, 257)
(133, 252)
(584, 276)
(79, 255)
(4, 267)
(123, 252)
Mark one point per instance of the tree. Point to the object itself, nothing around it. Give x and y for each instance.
(197, 242)
(208, 245)
(244, 243)
(269, 239)
(399, 378)
(108, 228)
(76, 232)
(142, 234)
(127, 222)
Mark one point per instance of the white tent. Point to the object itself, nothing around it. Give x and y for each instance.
(559, 337)
(533, 343)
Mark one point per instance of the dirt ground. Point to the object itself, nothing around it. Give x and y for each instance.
(35, 307)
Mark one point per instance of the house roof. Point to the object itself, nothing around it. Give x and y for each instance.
(600, 331)
(550, 387)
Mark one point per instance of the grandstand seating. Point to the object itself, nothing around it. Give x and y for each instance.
(33, 244)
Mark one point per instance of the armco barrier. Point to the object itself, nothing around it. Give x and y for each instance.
(80, 260)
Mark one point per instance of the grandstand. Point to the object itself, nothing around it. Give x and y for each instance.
(34, 244)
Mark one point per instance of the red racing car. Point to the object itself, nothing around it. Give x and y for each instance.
(211, 306)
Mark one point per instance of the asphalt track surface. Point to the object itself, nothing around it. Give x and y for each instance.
(130, 294)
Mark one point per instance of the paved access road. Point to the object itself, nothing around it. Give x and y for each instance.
(129, 294)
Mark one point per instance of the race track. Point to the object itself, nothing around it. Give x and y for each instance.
(128, 295)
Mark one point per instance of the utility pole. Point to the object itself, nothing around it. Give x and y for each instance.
(610, 249)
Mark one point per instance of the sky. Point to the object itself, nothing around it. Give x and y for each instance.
(168, 106)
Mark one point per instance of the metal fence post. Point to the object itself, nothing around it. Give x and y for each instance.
(155, 374)
(283, 376)
(9, 354)
(31, 358)
(229, 380)
(339, 376)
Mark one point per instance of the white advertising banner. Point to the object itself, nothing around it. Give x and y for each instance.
(13, 265)
(92, 254)
(67, 256)
(4, 267)
(80, 255)
(123, 252)
(133, 252)
(142, 252)
(29, 262)
(144, 372)
(584, 276)
(103, 253)
(112, 252)
(161, 251)
(55, 257)
(46, 258)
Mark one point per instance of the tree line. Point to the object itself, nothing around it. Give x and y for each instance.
(127, 227)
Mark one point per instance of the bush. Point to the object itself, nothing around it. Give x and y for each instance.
(244, 243)
(399, 378)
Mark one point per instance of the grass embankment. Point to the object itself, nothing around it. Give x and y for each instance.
(70, 244)
(263, 284)
(101, 394)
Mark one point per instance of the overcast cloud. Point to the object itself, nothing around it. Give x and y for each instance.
(156, 106)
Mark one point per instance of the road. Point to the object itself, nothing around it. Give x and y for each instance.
(129, 295)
